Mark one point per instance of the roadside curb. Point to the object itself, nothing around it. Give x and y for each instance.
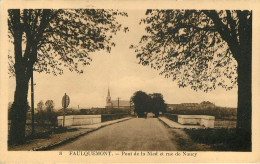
(163, 122)
(48, 147)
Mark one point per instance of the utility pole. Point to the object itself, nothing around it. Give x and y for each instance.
(32, 103)
(118, 102)
(64, 109)
(130, 107)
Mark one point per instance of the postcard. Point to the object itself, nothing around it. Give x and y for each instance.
(129, 81)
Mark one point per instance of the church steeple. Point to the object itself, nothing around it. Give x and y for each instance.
(108, 98)
(108, 93)
(109, 102)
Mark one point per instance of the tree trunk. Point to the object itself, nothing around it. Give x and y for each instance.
(244, 70)
(244, 108)
(19, 109)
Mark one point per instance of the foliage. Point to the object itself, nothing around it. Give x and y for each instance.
(49, 105)
(202, 49)
(148, 103)
(45, 114)
(40, 106)
(186, 46)
(141, 101)
(157, 103)
(64, 37)
(45, 40)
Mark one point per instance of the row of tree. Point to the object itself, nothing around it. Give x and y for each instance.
(145, 103)
(44, 115)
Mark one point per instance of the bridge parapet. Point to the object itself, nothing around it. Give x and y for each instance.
(75, 120)
(203, 120)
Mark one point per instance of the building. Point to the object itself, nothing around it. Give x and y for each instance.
(191, 106)
(120, 104)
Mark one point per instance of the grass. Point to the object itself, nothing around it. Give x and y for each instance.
(185, 143)
(45, 133)
(41, 132)
(225, 123)
(222, 139)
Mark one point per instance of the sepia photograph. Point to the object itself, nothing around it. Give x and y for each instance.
(104, 82)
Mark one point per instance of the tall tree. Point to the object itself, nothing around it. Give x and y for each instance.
(49, 105)
(50, 114)
(203, 49)
(40, 106)
(157, 103)
(142, 102)
(45, 39)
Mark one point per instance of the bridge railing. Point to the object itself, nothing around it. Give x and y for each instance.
(109, 117)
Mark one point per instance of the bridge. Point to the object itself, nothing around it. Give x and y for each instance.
(133, 134)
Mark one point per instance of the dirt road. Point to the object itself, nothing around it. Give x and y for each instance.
(134, 134)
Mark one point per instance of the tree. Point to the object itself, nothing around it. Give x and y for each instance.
(157, 104)
(46, 114)
(141, 102)
(40, 106)
(49, 105)
(50, 114)
(53, 38)
(40, 115)
(202, 49)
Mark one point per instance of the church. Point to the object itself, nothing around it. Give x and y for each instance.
(117, 104)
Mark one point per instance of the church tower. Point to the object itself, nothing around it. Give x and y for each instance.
(109, 102)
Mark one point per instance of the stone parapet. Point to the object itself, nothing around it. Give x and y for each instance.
(203, 120)
(75, 120)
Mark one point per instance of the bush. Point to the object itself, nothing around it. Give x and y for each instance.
(46, 115)
(46, 118)
(222, 139)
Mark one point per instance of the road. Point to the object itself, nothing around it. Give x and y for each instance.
(134, 134)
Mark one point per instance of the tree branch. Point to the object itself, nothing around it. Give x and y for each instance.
(223, 31)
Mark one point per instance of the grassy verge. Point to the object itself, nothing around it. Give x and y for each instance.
(47, 133)
(222, 139)
(43, 132)
(185, 143)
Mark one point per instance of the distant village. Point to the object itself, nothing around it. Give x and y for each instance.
(127, 105)
(191, 106)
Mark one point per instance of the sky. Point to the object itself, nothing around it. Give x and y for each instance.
(120, 72)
